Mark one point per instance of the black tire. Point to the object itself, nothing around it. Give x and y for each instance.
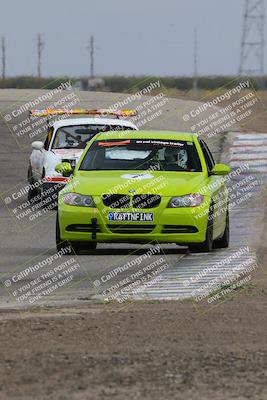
(223, 242)
(62, 245)
(207, 246)
(84, 246)
(34, 195)
(48, 202)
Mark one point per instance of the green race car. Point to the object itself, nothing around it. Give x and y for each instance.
(144, 187)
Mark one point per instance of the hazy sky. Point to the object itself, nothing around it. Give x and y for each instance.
(133, 36)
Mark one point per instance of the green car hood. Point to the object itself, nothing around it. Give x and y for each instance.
(165, 183)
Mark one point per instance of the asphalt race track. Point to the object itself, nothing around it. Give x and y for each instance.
(23, 244)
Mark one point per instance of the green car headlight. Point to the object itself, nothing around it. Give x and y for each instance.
(190, 200)
(76, 199)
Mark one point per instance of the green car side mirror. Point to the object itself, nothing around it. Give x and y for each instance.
(64, 168)
(220, 169)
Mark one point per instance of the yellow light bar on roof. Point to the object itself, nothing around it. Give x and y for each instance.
(81, 111)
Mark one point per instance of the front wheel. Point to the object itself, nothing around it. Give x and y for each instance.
(223, 242)
(83, 246)
(207, 246)
(63, 246)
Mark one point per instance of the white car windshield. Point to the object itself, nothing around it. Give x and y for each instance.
(77, 136)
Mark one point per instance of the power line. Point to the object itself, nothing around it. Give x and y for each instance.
(3, 50)
(40, 47)
(253, 40)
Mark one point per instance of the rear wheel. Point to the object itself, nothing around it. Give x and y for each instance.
(223, 242)
(49, 200)
(49, 195)
(34, 195)
(206, 246)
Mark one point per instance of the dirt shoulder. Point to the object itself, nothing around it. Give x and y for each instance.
(143, 351)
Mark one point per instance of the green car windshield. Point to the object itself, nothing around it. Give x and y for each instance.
(142, 154)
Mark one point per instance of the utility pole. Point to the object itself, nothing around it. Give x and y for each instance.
(195, 81)
(253, 39)
(3, 48)
(92, 56)
(40, 47)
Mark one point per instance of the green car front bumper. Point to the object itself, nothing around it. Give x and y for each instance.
(169, 225)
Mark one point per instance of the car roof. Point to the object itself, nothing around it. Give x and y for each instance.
(93, 121)
(167, 135)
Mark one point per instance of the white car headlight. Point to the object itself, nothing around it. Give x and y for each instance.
(76, 199)
(190, 200)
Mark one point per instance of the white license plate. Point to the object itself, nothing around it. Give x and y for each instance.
(131, 216)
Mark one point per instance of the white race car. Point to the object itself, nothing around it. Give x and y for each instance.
(65, 141)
